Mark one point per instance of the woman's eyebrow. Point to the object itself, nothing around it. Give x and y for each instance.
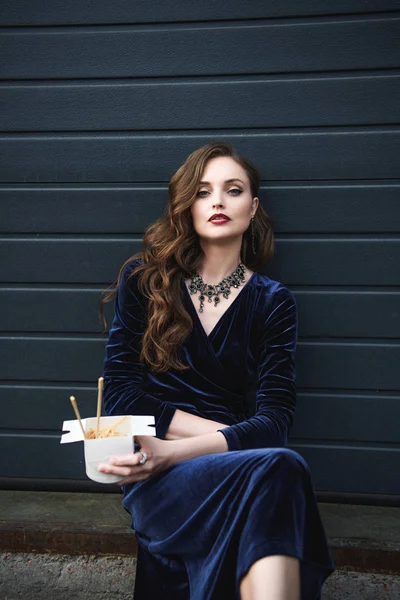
(226, 181)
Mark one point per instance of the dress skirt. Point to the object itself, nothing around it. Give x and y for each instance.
(202, 523)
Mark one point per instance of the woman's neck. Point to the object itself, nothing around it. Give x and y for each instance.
(219, 262)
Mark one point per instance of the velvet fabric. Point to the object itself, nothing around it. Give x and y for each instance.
(202, 523)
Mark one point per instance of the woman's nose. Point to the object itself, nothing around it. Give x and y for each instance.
(218, 202)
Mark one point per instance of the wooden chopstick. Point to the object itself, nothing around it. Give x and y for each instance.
(78, 416)
(99, 402)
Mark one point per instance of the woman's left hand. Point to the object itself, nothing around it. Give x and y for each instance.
(159, 458)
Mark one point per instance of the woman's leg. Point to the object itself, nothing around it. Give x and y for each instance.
(222, 513)
(274, 577)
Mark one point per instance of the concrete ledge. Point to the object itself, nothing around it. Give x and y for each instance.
(67, 538)
(65, 523)
(66, 545)
(361, 538)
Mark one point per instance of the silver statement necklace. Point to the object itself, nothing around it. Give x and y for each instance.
(213, 291)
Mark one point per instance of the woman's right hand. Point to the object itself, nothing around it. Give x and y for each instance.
(159, 457)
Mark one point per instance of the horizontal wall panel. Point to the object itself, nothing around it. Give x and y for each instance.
(67, 261)
(47, 12)
(52, 310)
(305, 207)
(352, 469)
(204, 49)
(349, 469)
(333, 207)
(44, 408)
(84, 209)
(344, 154)
(52, 359)
(351, 365)
(351, 417)
(314, 261)
(293, 102)
(47, 457)
(354, 366)
(343, 314)
(327, 313)
(307, 261)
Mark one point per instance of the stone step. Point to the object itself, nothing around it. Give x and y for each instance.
(81, 545)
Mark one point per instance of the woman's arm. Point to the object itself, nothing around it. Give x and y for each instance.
(161, 455)
(185, 425)
(276, 391)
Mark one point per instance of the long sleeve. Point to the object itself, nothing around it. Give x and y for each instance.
(276, 389)
(123, 372)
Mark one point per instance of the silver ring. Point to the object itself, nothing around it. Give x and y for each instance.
(145, 457)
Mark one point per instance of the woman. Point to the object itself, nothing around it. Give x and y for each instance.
(221, 509)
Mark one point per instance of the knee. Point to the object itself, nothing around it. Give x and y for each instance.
(292, 461)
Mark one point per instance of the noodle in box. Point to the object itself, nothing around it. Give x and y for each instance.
(104, 437)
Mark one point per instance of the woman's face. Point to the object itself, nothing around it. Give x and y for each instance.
(224, 188)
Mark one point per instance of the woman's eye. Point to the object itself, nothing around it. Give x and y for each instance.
(232, 192)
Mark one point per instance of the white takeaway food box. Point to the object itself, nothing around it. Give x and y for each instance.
(101, 450)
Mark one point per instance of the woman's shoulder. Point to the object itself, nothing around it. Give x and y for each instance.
(128, 269)
(275, 302)
(131, 263)
(128, 288)
(271, 288)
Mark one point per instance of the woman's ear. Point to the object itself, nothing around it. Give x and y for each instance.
(256, 202)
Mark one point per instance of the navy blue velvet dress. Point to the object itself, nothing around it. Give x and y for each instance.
(202, 523)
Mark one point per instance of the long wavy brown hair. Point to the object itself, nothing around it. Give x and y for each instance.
(171, 251)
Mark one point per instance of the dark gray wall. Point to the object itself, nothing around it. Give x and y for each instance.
(101, 102)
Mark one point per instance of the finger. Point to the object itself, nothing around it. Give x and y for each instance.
(129, 459)
(123, 465)
(112, 470)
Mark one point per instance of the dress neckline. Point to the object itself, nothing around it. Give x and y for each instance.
(193, 308)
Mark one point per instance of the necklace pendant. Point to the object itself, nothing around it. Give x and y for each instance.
(201, 298)
(213, 291)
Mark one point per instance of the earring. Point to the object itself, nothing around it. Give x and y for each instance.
(253, 236)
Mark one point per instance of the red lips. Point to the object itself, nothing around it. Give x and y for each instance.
(219, 216)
